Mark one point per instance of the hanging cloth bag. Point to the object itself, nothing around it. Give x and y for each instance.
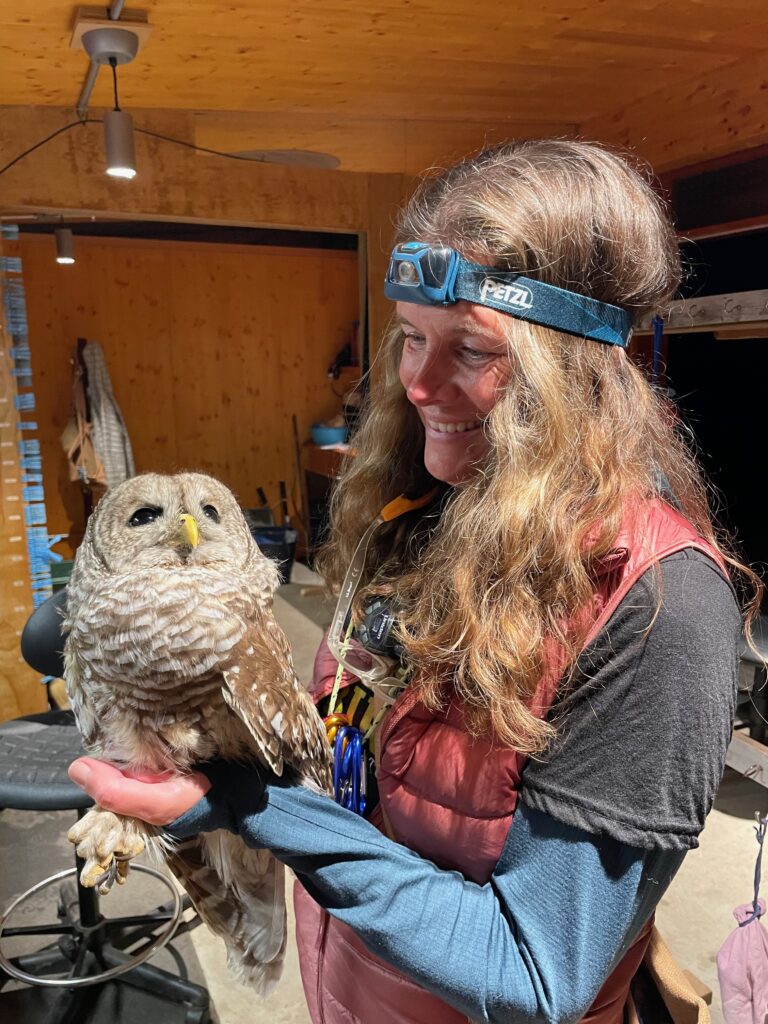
(742, 962)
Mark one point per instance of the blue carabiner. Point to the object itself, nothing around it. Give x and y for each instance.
(349, 769)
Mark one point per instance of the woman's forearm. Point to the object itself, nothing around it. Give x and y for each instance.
(534, 944)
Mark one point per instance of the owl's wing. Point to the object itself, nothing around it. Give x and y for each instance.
(262, 689)
(80, 693)
(240, 894)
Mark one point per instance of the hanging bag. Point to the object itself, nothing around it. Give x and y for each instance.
(742, 963)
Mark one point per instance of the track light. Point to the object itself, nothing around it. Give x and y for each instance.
(65, 252)
(118, 143)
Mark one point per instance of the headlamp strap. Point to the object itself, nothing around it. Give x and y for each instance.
(544, 304)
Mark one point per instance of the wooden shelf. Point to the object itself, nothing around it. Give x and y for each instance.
(323, 461)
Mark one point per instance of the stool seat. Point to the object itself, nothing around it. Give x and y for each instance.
(35, 753)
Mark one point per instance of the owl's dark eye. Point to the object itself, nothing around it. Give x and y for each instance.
(145, 515)
(211, 513)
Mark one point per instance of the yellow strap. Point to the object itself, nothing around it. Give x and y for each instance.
(400, 505)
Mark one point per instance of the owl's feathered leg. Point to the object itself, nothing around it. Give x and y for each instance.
(240, 894)
(107, 842)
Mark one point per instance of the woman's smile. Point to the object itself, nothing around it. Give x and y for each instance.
(452, 428)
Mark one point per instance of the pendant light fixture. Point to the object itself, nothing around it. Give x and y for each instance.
(113, 46)
(118, 137)
(65, 251)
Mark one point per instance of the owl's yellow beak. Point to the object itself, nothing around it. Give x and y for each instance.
(188, 531)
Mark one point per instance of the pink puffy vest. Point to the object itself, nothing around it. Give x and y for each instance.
(452, 798)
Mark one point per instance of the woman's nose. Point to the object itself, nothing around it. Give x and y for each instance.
(427, 381)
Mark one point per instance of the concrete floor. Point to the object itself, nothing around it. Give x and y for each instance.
(694, 917)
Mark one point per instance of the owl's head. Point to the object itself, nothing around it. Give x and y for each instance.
(154, 521)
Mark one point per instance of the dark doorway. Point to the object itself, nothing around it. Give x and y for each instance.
(721, 388)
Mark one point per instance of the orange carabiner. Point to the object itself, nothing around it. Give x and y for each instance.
(332, 725)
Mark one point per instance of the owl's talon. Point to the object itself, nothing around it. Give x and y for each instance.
(106, 879)
(107, 843)
(97, 875)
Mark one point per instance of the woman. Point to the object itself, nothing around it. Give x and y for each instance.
(560, 603)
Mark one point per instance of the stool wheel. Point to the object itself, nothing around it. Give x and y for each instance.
(96, 979)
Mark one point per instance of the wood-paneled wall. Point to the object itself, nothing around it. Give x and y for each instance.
(211, 349)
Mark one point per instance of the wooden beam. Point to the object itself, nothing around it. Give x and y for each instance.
(707, 314)
(742, 332)
(734, 227)
(716, 112)
(172, 182)
(748, 757)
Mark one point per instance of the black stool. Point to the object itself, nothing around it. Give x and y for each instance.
(88, 948)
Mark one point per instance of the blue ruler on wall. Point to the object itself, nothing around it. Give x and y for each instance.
(19, 419)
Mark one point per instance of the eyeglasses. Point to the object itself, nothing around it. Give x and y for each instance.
(375, 670)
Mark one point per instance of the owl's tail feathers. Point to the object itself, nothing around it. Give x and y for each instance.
(240, 894)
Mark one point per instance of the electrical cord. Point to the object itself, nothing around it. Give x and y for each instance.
(48, 138)
(113, 65)
(200, 149)
(141, 131)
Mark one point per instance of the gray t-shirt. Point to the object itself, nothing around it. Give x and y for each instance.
(644, 727)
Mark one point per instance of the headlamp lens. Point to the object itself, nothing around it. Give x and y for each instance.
(407, 274)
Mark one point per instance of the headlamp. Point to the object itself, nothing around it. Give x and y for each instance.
(433, 275)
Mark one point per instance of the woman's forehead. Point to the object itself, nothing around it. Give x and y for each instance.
(465, 317)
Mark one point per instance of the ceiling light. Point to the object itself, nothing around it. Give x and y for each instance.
(112, 45)
(65, 252)
(118, 144)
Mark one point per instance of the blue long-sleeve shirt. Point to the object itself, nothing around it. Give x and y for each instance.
(535, 943)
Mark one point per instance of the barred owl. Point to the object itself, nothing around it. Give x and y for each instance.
(173, 657)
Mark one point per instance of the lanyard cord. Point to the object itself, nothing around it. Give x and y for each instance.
(340, 670)
(760, 836)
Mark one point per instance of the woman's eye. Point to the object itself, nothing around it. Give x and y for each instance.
(144, 515)
(211, 512)
(414, 339)
(475, 355)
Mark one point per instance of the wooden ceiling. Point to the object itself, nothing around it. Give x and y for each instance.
(395, 86)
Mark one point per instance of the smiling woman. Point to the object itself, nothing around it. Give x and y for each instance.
(560, 730)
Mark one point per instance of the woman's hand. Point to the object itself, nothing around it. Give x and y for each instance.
(156, 799)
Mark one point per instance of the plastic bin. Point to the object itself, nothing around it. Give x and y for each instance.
(259, 517)
(279, 544)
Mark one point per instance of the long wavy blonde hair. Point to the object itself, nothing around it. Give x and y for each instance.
(576, 435)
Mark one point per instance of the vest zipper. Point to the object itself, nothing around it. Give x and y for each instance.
(321, 966)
